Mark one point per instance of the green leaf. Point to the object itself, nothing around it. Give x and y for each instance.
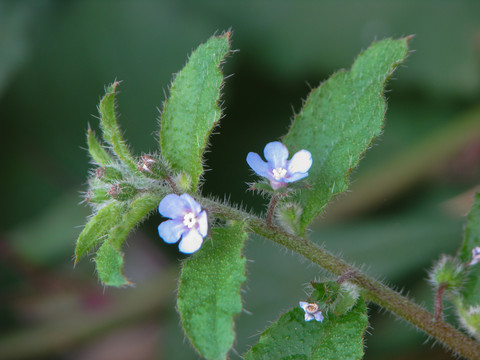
(111, 131)
(209, 291)
(109, 259)
(98, 153)
(471, 287)
(192, 110)
(138, 210)
(338, 337)
(97, 228)
(109, 263)
(339, 121)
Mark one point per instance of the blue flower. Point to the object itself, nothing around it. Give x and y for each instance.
(475, 256)
(311, 311)
(278, 170)
(189, 222)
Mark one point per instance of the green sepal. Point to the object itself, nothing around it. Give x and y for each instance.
(123, 191)
(339, 121)
(209, 291)
(109, 174)
(262, 187)
(347, 297)
(338, 337)
(97, 151)
(110, 128)
(97, 228)
(192, 110)
(109, 264)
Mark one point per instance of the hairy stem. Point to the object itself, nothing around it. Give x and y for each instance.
(271, 210)
(439, 302)
(374, 290)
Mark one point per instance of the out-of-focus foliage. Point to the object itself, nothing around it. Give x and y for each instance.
(56, 57)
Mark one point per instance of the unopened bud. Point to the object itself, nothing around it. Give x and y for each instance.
(449, 272)
(108, 174)
(122, 191)
(145, 164)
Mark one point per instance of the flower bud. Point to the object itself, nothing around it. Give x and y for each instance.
(183, 181)
(122, 191)
(288, 215)
(346, 298)
(448, 271)
(109, 174)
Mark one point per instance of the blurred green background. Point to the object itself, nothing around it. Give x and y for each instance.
(408, 198)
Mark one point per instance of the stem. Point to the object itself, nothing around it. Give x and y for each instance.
(439, 302)
(271, 210)
(374, 290)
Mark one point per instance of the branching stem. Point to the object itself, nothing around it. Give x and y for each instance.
(374, 290)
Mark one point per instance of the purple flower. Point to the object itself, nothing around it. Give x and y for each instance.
(311, 311)
(189, 222)
(278, 169)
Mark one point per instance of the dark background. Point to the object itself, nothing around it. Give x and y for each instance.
(406, 207)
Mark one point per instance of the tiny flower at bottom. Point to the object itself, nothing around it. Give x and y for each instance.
(311, 311)
(475, 256)
(188, 222)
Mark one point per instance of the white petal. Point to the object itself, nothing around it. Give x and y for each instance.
(190, 242)
(276, 154)
(203, 223)
(300, 162)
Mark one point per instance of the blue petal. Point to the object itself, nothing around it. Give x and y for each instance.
(203, 224)
(191, 242)
(258, 165)
(318, 316)
(173, 206)
(171, 230)
(300, 162)
(295, 177)
(192, 204)
(276, 154)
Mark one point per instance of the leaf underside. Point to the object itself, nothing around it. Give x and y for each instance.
(339, 121)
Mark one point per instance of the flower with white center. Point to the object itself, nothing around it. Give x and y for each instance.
(188, 222)
(311, 311)
(475, 255)
(278, 170)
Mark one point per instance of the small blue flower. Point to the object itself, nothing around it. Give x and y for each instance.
(278, 169)
(475, 256)
(189, 222)
(311, 311)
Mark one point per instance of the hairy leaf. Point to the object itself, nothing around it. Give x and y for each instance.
(192, 110)
(111, 131)
(97, 228)
(109, 263)
(137, 211)
(338, 337)
(209, 291)
(96, 150)
(339, 121)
